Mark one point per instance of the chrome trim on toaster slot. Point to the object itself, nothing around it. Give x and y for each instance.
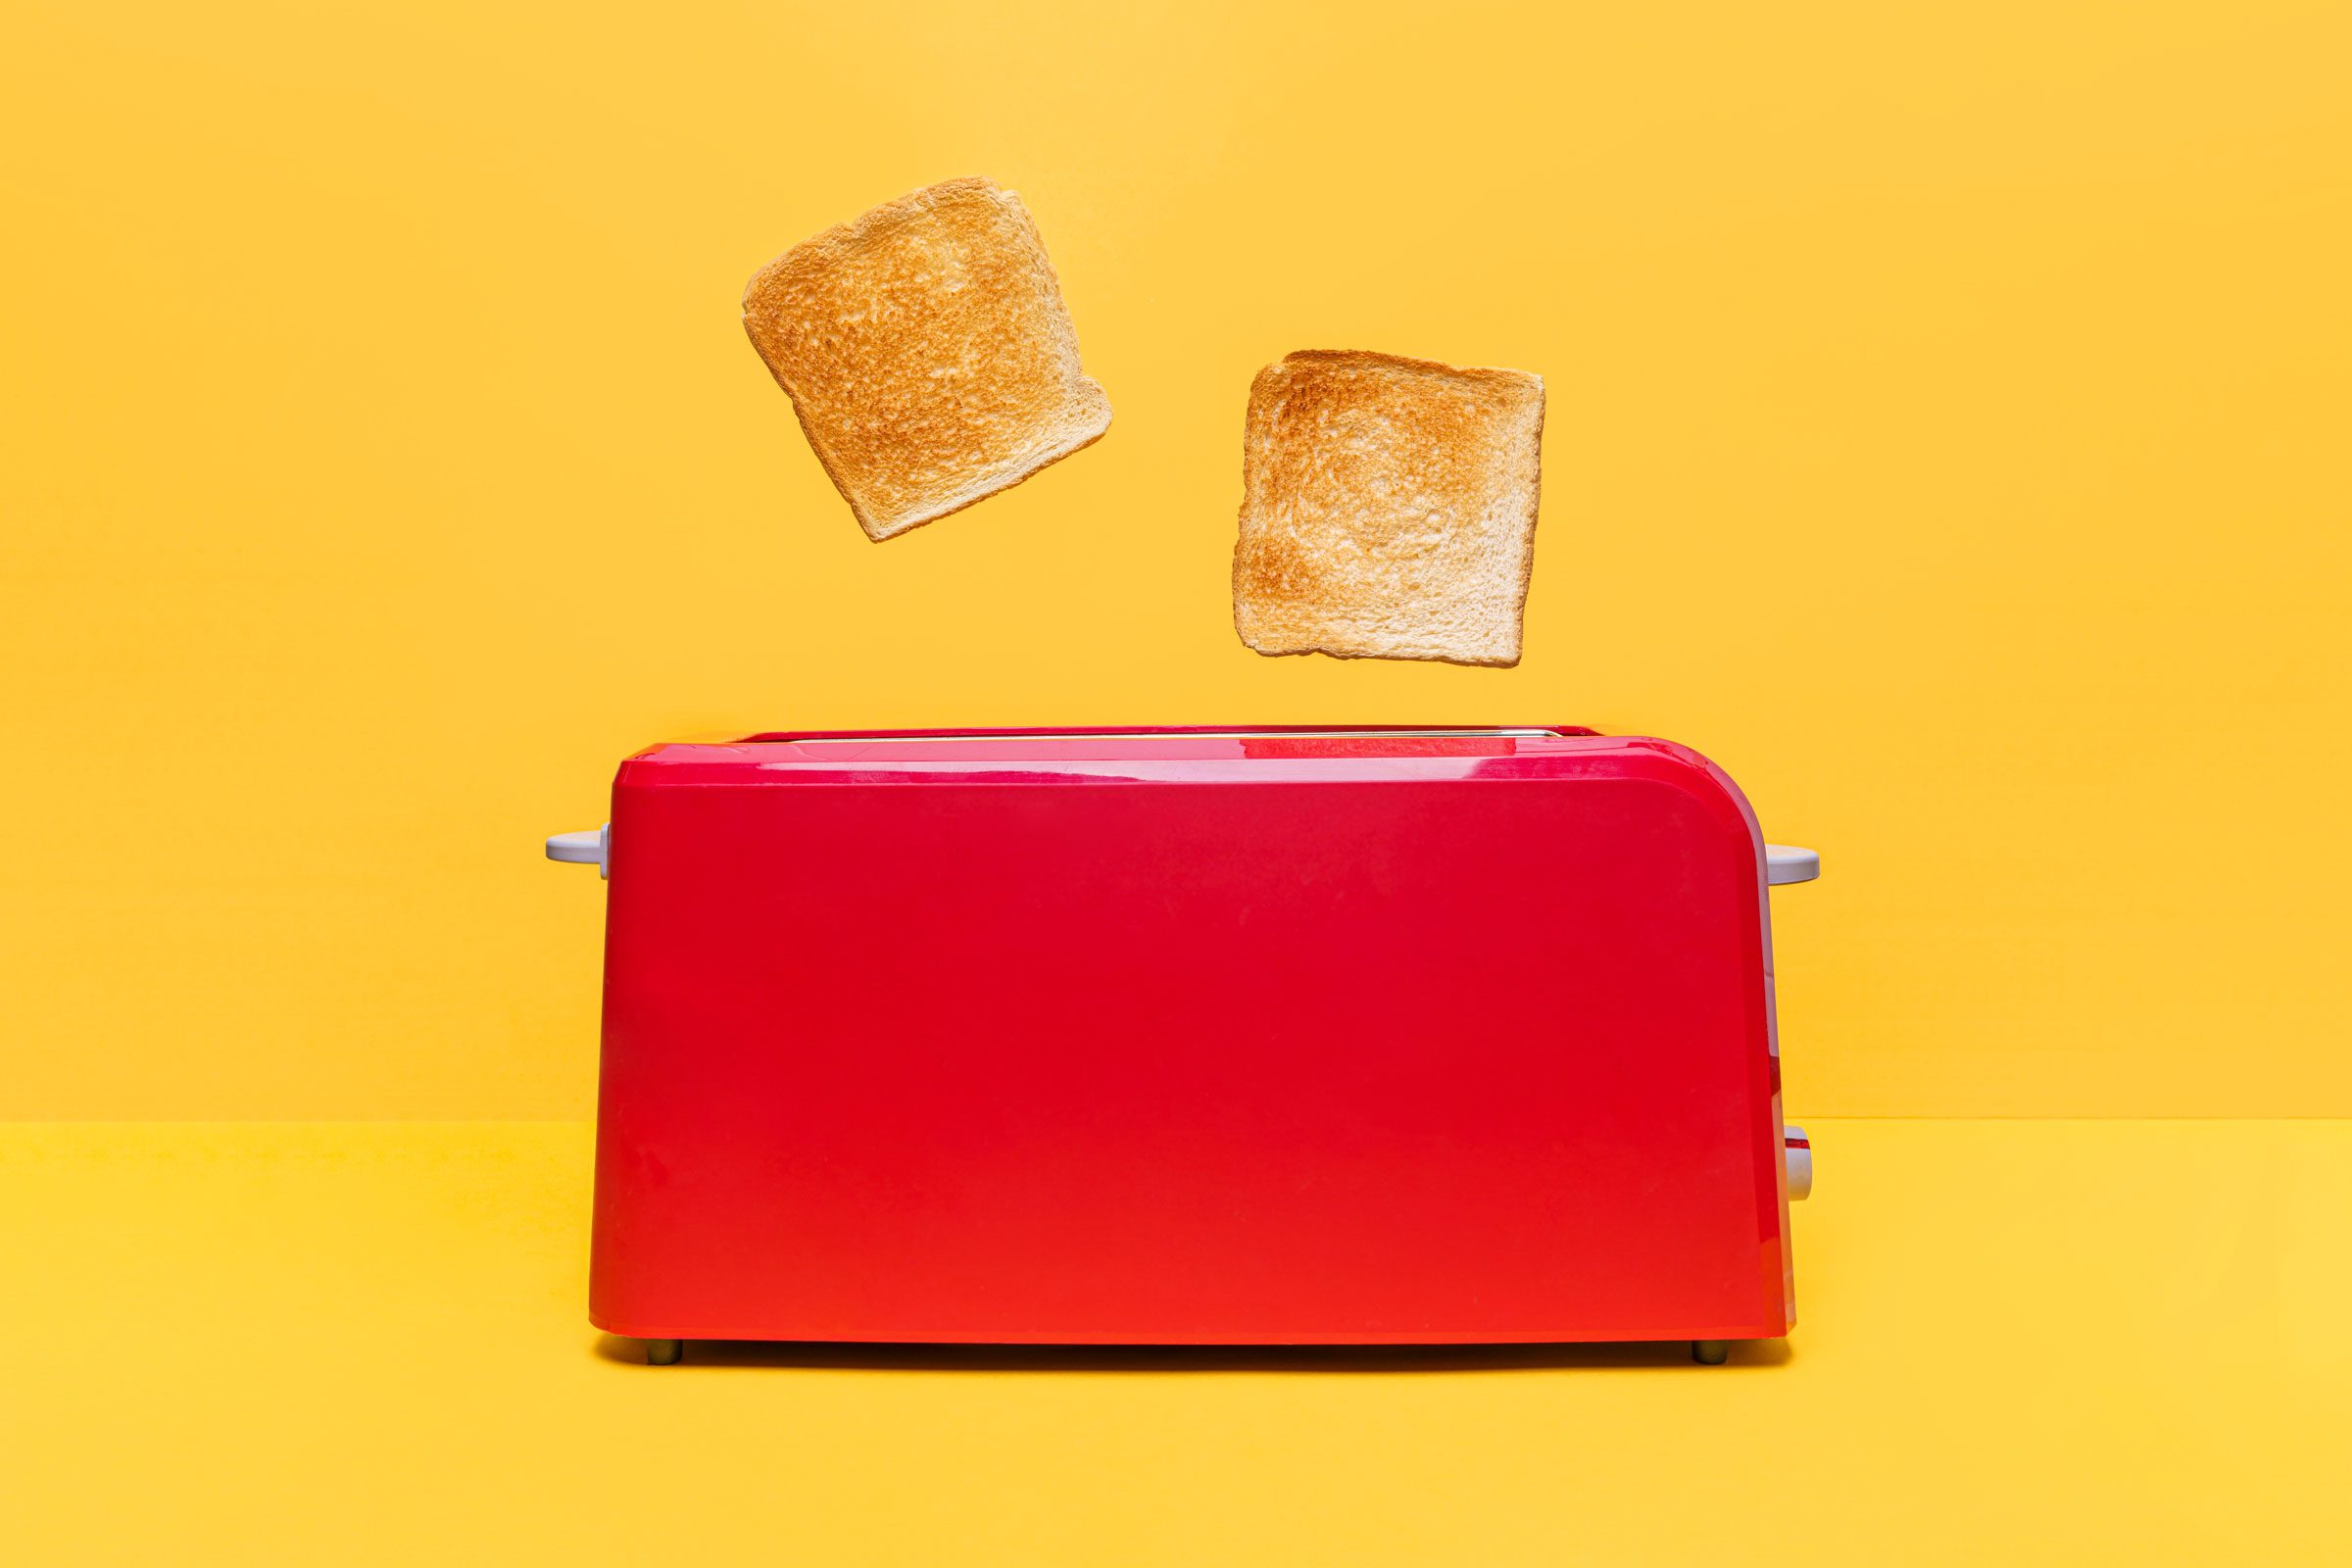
(1188, 735)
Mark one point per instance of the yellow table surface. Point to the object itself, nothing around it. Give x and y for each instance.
(2103, 1342)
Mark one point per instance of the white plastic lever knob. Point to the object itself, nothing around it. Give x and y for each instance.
(592, 848)
(1798, 1150)
(1785, 862)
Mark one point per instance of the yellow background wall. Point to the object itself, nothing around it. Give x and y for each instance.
(1948, 431)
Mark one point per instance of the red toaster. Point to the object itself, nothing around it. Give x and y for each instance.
(1189, 1036)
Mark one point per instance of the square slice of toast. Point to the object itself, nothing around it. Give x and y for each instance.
(1387, 509)
(927, 353)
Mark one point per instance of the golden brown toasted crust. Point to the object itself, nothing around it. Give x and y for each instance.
(927, 351)
(1389, 507)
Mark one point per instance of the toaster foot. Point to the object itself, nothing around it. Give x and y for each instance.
(664, 1352)
(1710, 1352)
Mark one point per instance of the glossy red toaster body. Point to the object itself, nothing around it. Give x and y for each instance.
(1187, 1036)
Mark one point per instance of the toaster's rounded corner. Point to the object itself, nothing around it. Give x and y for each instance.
(1699, 777)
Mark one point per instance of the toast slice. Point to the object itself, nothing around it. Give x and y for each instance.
(927, 353)
(1387, 509)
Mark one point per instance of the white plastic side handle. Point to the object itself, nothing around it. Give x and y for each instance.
(592, 848)
(1784, 863)
(1798, 1150)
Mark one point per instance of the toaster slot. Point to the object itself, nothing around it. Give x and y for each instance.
(1048, 737)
